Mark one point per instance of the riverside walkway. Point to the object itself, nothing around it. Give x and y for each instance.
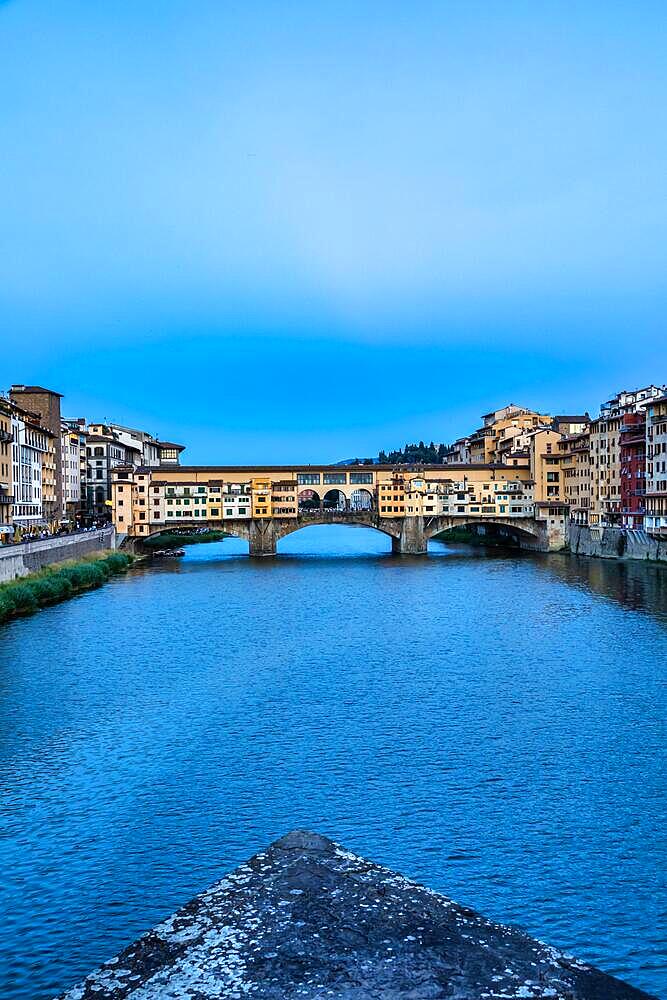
(307, 919)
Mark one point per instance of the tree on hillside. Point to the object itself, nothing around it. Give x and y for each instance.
(414, 454)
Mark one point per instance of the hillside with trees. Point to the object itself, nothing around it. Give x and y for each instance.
(414, 454)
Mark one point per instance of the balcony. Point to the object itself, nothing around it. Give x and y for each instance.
(6, 499)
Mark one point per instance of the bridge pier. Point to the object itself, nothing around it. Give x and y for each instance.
(262, 537)
(412, 541)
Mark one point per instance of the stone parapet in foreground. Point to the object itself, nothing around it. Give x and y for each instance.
(29, 557)
(307, 919)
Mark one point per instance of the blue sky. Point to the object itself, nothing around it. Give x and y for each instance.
(307, 231)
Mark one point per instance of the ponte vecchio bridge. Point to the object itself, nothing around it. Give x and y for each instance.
(263, 504)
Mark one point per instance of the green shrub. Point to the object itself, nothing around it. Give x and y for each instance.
(58, 582)
(24, 596)
(84, 576)
(52, 588)
(118, 562)
(7, 605)
(175, 539)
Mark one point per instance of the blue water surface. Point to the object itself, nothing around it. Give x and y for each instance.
(489, 723)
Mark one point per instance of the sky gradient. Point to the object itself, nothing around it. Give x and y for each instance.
(307, 231)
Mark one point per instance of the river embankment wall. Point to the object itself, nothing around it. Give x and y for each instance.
(29, 557)
(615, 543)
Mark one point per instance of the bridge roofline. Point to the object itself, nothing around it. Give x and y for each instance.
(494, 467)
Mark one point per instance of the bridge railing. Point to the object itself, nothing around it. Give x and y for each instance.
(320, 512)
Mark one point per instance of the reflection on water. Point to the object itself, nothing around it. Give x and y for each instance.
(489, 722)
(641, 586)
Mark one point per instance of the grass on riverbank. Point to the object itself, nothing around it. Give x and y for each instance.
(58, 582)
(175, 539)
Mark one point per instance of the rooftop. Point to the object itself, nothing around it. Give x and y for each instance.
(35, 389)
(306, 918)
(408, 467)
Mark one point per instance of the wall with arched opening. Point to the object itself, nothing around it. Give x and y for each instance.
(334, 499)
(524, 537)
(308, 500)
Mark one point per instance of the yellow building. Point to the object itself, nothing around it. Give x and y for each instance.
(50, 504)
(261, 496)
(605, 466)
(502, 437)
(284, 498)
(575, 471)
(391, 494)
(545, 457)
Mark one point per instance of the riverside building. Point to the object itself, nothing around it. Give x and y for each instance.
(656, 466)
(605, 455)
(501, 438)
(44, 406)
(30, 445)
(109, 446)
(575, 471)
(6, 477)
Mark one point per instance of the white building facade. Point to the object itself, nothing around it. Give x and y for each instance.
(28, 448)
(70, 447)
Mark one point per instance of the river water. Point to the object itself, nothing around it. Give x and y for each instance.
(487, 722)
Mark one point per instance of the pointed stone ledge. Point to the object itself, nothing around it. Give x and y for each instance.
(307, 919)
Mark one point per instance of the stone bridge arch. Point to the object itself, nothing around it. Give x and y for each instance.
(265, 535)
(527, 531)
(409, 535)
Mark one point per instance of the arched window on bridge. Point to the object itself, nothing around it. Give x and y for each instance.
(334, 500)
(361, 500)
(309, 500)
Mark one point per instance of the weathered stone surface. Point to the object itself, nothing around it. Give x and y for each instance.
(307, 919)
(615, 543)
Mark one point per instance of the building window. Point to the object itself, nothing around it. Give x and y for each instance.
(331, 478)
(359, 478)
(308, 478)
